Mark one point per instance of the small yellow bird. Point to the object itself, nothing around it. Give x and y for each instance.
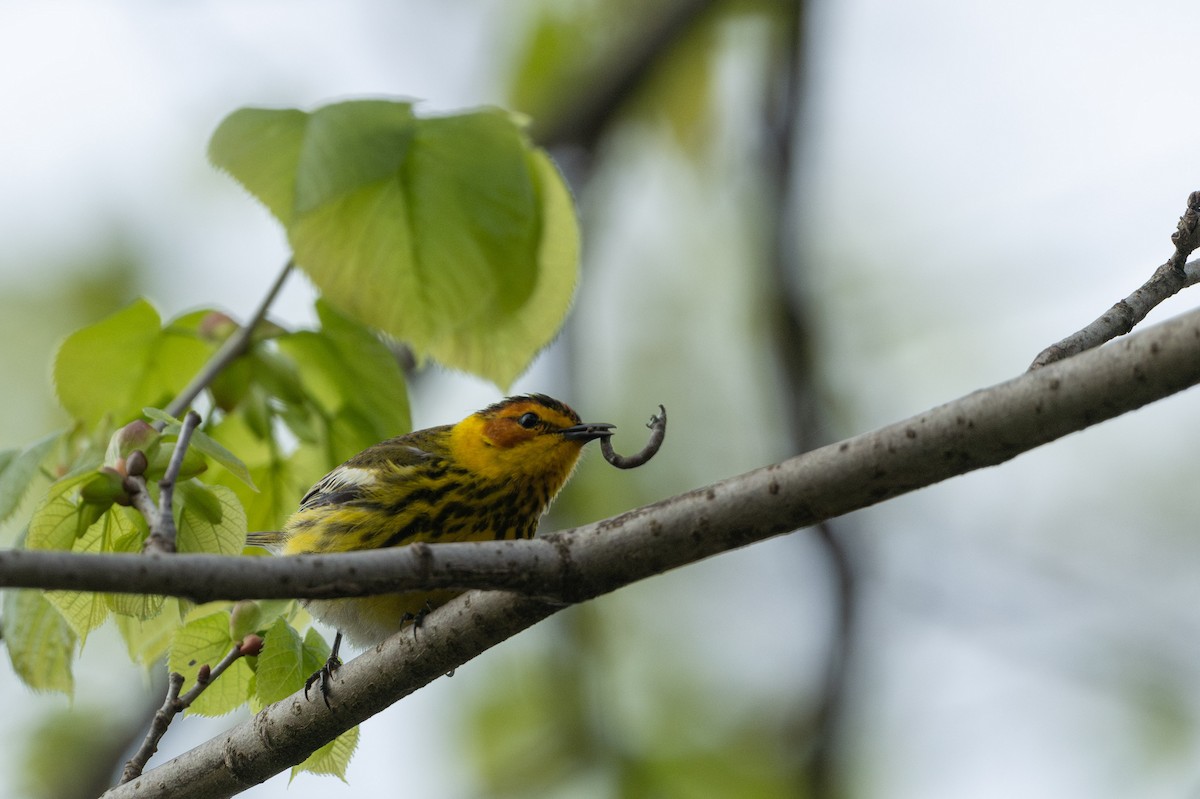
(489, 477)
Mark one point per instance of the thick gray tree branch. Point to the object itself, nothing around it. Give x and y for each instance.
(528, 566)
(981, 429)
(984, 428)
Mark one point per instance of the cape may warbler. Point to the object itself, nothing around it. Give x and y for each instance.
(489, 477)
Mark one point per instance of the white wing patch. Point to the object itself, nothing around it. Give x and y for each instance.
(350, 476)
(343, 484)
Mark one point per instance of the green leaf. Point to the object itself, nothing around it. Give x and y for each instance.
(115, 530)
(504, 341)
(205, 504)
(438, 231)
(128, 532)
(277, 375)
(316, 652)
(280, 495)
(6, 459)
(115, 367)
(39, 641)
(352, 377)
(281, 481)
(17, 470)
(210, 519)
(60, 518)
(260, 147)
(84, 611)
(332, 758)
(206, 640)
(281, 665)
(213, 449)
(64, 522)
(203, 444)
(147, 640)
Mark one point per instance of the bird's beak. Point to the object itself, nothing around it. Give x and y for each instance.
(587, 432)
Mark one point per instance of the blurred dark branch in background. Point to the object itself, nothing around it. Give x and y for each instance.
(786, 299)
(581, 121)
(574, 131)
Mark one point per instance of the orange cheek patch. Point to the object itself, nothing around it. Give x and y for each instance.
(505, 432)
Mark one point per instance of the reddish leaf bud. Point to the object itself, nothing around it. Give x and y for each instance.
(251, 645)
(135, 463)
(216, 326)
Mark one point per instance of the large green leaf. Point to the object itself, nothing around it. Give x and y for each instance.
(210, 519)
(316, 651)
(261, 147)
(285, 663)
(17, 470)
(124, 362)
(203, 444)
(127, 534)
(147, 640)
(114, 530)
(279, 486)
(352, 377)
(39, 641)
(63, 521)
(61, 518)
(333, 758)
(280, 671)
(452, 233)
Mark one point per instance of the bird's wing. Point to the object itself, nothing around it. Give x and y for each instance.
(354, 479)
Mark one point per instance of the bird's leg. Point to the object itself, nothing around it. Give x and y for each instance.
(417, 618)
(325, 673)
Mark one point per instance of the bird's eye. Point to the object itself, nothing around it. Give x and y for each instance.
(528, 420)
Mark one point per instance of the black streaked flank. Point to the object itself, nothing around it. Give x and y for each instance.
(430, 495)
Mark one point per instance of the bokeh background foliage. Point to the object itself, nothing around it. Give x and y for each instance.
(800, 221)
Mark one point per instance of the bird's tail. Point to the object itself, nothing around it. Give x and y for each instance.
(267, 539)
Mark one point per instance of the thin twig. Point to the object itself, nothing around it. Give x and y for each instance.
(162, 523)
(234, 346)
(1186, 237)
(204, 680)
(158, 728)
(162, 533)
(658, 428)
(139, 497)
(1167, 280)
(171, 707)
